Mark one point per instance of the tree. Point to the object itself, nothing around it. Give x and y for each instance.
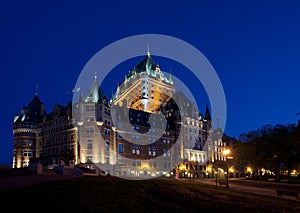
(67, 156)
(271, 147)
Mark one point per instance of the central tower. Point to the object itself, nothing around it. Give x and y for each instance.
(145, 88)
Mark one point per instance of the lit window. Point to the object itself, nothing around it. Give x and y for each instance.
(152, 151)
(165, 152)
(136, 150)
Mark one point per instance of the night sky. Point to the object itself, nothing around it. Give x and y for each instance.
(254, 46)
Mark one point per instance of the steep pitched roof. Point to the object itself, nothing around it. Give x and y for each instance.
(102, 98)
(207, 115)
(33, 112)
(92, 95)
(95, 94)
(146, 64)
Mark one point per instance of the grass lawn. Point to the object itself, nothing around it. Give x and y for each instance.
(111, 194)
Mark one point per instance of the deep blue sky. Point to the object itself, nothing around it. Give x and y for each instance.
(253, 45)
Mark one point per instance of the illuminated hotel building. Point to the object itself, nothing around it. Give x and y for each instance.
(43, 137)
(121, 135)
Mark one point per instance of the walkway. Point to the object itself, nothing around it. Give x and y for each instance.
(250, 189)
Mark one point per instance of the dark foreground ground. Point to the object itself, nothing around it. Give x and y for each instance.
(111, 194)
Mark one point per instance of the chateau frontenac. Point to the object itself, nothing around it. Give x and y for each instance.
(146, 128)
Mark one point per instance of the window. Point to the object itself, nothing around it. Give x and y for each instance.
(27, 153)
(25, 163)
(153, 164)
(136, 137)
(89, 108)
(166, 153)
(107, 146)
(106, 131)
(28, 143)
(136, 150)
(72, 136)
(167, 165)
(120, 148)
(107, 122)
(120, 135)
(121, 162)
(90, 119)
(136, 163)
(152, 151)
(106, 159)
(90, 143)
(89, 129)
(89, 158)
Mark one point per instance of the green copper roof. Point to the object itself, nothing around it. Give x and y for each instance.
(92, 95)
(150, 67)
(146, 64)
(95, 94)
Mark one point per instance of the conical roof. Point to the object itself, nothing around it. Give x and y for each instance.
(33, 112)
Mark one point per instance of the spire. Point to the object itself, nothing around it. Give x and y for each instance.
(92, 95)
(112, 96)
(36, 89)
(171, 78)
(207, 114)
(148, 50)
(146, 64)
(95, 76)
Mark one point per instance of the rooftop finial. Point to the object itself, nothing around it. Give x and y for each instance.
(36, 90)
(148, 50)
(95, 76)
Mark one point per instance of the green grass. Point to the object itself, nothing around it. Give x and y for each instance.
(111, 194)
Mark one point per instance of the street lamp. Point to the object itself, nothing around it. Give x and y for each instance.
(226, 152)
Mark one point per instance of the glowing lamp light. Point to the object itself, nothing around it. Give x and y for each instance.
(231, 170)
(226, 151)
